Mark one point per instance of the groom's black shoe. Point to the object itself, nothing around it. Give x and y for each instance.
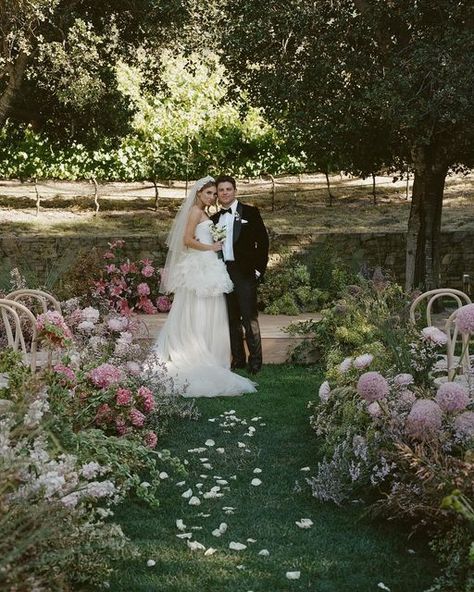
(237, 365)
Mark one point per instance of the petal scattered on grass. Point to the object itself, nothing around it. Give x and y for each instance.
(195, 546)
(163, 475)
(237, 546)
(210, 442)
(382, 586)
(180, 483)
(187, 494)
(257, 470)
(185, 535)
(210, 551)
(304, 523)
(194, 501)
(293, 575)
(180, 524)
(256, 482)
(220, 450)
(305, 469)
(264, 552)
(151, 563)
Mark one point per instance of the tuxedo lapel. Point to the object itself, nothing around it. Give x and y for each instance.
(237, 223)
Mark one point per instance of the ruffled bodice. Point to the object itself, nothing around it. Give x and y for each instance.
(201, 271)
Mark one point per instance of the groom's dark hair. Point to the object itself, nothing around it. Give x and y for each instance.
(226, 179)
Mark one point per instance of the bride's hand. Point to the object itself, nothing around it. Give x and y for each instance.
(217, 246)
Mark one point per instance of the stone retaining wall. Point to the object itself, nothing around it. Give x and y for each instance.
(46, 255)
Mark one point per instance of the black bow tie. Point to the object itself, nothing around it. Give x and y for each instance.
(226, 211)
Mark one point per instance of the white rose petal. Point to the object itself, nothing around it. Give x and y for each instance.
(255, 482)
(257, 470)
(194, 501)
(203, 476)
(216, 532)
(199, 485)
(264, 552)
(185, 535)
(241, 445)
(222, 482)
(180, 483)
(304, 523)
(210, 551)
(203, 459)
(187, 494)
(163, 475)
(212, 419)
(207, 466)
(209, 442)
(180, 524)
(251, 540)
(151, 563)
(220, 450)
(293, 575)
(195, 546)
(382, 586)
(305, 469)
(223, 527)
(237, 546)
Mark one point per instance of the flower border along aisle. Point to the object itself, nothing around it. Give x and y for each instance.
(389, 434)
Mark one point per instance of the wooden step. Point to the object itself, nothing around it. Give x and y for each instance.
(276, 344)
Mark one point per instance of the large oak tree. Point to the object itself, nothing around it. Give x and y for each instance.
(372, 82)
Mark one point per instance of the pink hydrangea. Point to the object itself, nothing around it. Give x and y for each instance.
(143, 289)
(147, 399)
(151, 439)
(363, 361)
(123, 396)
(65, 371)
(424, 420)
(434, 335)
(105, 375)
(121, 426)
(163, 304)
(464, 424)
(451, 396)
(465, 319)
(372, 386)
(403, 379)
(137, 418)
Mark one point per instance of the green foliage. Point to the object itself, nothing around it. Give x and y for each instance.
(287, 289)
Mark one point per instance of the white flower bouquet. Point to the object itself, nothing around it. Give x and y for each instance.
(218, 234)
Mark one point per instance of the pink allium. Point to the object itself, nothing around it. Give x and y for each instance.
(424, 420)
(434, 335)
(65, 371)
(151, 439)
(147, 399)
(403, 379)
(363, 361)
(372, 386)
(123, 397)
(465, 319)
(451, 396)
(148, 271)
(324, 391)
(464, 424)
(345, 365)
(137, 418)
(143, 289)
(163, 304)
(105, 375)
(374, 409)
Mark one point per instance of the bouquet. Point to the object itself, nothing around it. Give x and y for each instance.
(218, 233)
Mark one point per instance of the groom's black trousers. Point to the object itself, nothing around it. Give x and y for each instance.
(242, 310)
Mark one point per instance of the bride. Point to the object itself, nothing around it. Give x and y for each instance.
(194, 343)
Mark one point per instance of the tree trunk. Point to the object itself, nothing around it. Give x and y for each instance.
(424, 224)
(329, 188)
(15, 77)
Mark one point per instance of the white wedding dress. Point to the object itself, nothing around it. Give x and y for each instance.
(194, 343)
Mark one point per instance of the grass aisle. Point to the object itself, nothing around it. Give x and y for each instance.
(342, 552)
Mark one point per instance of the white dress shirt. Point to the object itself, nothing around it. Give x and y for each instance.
(227, 221)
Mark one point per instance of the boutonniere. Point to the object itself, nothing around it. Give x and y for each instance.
(237, 217)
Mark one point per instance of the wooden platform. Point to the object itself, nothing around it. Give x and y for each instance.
(276, 344)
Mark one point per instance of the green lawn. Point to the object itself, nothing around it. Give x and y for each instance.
(342, 552)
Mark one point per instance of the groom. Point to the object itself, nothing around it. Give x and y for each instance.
(245, 253)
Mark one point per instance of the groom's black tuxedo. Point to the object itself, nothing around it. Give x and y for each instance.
(250, 246)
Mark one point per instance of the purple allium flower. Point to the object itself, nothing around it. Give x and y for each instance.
(407, 397)
(403, 379)
(464, 424)
(424, 420)
(451, 396)
(363, 361)
(324, 391)
(465, 319)
(372, 386)
(374, 409)
(434, 335)
(345, 365)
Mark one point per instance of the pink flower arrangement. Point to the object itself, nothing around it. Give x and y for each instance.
(434, 336)
(122, 285)
(123, 397)
(464, 424)
(452, 397)
(137, 418)
(151, 439)
(53, 330)
(465, 319)
(372, 386)
(105, 375)
(424, 420)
